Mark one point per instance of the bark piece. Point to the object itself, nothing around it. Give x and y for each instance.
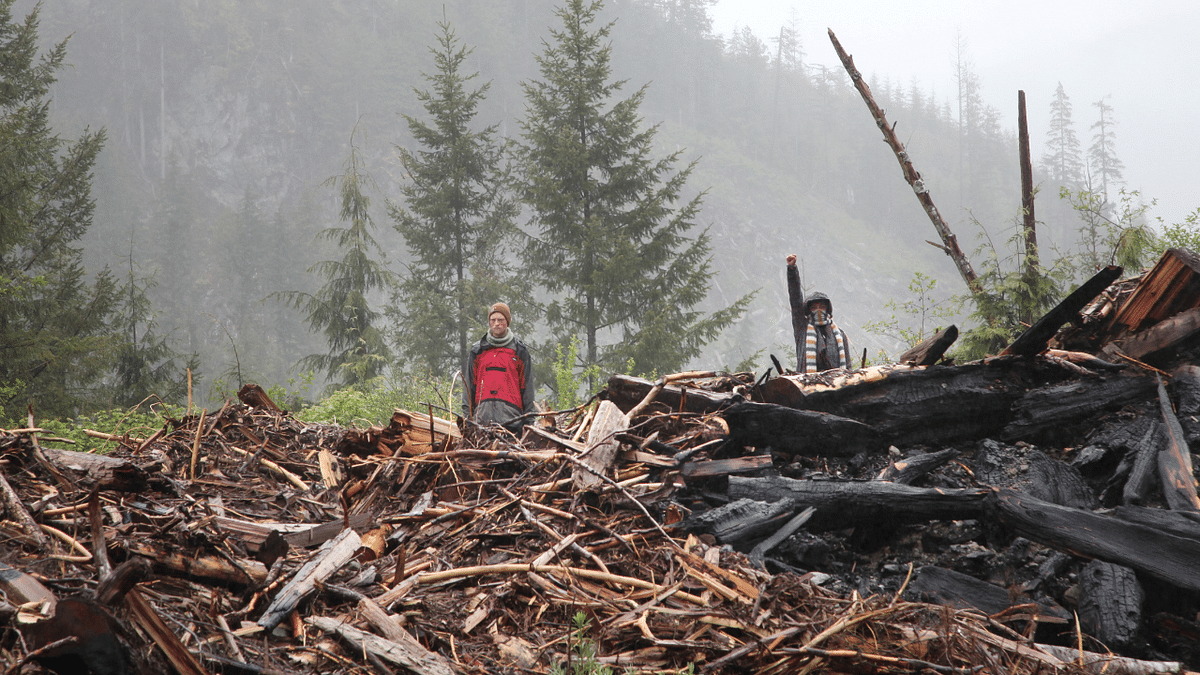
(601, 446)
(1110, 602)
(431, 663)
(327, 560)
(110, 473)
(1144, 474)
(1173, 559)
(847, 503)
(1059, 483)
(205, 567)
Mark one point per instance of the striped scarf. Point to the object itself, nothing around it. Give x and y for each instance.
(841, 360)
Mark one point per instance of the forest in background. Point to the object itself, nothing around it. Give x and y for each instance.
(225, 120)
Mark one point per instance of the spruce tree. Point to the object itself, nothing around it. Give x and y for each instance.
(611, 241)
(55, 344)
(456, 220)
(358, 352)
(1063, 160)
(1102, 155)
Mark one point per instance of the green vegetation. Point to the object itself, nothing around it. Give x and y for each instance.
(917, 318)
(583, 650)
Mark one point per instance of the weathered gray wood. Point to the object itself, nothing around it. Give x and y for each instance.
(797, 431)
(328, 559)
(423, 662)
(1172, 559)
(962, 591)
(388, 625)
(1175, 460)
(601, 446)
(1110, 602)
(15, 508)
(845, 503)
(724, 467)
(764, 547)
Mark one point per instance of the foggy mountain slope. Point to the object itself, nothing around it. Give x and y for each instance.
(246, 109)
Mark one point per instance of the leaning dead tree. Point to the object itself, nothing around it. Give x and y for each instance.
(949, 241)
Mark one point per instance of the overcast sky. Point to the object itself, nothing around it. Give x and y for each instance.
(1140, 54)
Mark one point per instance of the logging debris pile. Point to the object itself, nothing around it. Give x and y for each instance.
(1030, 513)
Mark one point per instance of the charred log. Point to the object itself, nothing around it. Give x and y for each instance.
(797, 431)
(961, 591)
(1110, 602)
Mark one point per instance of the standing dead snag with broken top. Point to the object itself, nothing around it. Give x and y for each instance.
(949, 241)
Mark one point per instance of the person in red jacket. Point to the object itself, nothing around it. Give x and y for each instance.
(498, 375)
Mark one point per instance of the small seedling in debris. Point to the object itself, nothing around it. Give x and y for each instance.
(581, 656)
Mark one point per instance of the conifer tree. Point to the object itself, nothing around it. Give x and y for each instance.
(1102, 155)
(358, 352)
(55, 345)
(611, 240)
(456, 221)
(1063, 160)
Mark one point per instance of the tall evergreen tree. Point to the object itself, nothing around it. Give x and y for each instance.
(1102, 155)
(358, 352)
(457, 221)
(55, 344)
(610, 246)
(1063, 160)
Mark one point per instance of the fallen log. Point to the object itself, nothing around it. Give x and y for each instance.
(741, 520)
(109, 473)
(1178, 523)
(627, 392)
(206, 567)
(1059, 483)
(961, 591)
(848, 503)
(797, 431)
(1053, 412)
(1159, 343)
(1172, 559)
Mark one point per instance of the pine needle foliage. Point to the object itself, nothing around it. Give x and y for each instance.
(341, 309)
(55, 342)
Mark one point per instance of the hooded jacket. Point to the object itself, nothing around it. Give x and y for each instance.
(499, 382)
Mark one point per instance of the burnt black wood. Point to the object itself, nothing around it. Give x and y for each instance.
(797, 431)
(1034, 340)
(955, 589)
(1110, 602)
(1172, 559)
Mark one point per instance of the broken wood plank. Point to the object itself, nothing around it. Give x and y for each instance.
(931, 350)
(427, 662)
(147, 619)
(627, 391)
(1175, 460)
(601, 446)
(328, 559)
(1171, 287)
(724, 467)
(1158, 343)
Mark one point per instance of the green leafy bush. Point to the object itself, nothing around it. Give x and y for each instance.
(373, 402)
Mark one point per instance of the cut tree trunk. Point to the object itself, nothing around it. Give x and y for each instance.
(797, 431)
(327, 560)
(602, 446)
(109, 473)
(850, 503)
